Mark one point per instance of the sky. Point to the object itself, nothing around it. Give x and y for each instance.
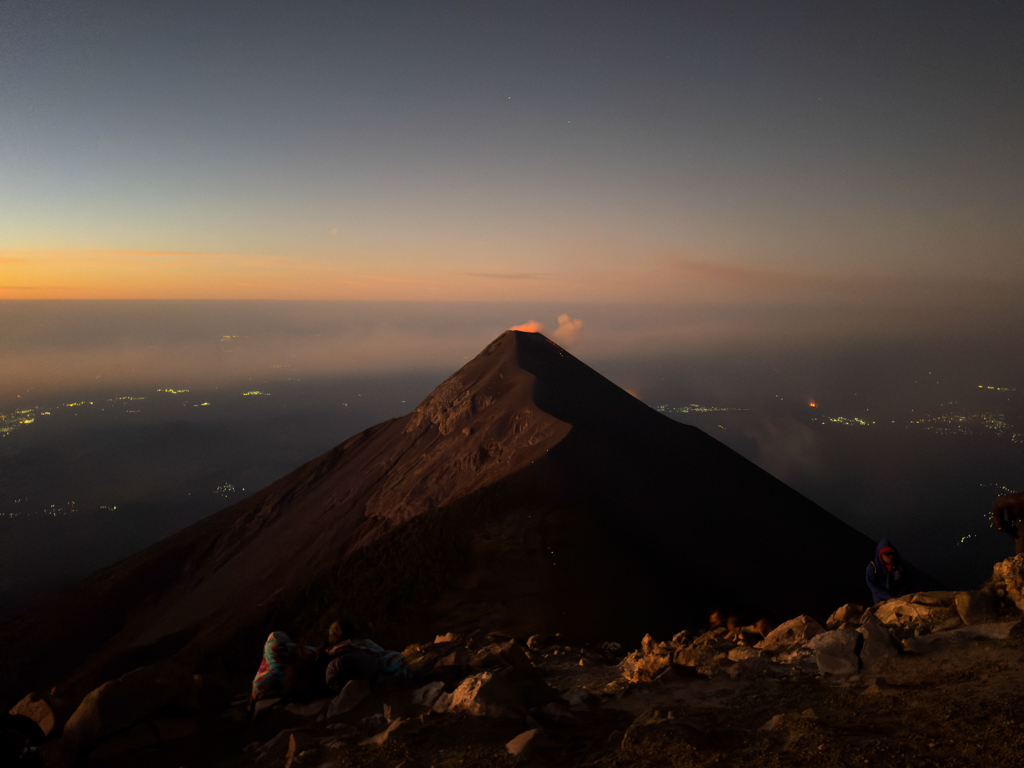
(858, 155)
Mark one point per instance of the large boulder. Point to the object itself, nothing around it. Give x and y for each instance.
(878, 645)
(506, 693)
(1009, 576)
(119, 704)
(836, 652)
(848, 614)
(48, 713)
(979, 607)
(791, 634)
(922, 611)
(646, 663)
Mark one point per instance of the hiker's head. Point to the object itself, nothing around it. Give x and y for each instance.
(889, 557)
(341, 630)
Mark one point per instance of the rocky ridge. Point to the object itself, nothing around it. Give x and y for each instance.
(933, 678)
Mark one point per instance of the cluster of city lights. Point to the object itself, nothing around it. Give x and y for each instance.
(51, 510)
(847, 421)
(967, 424)
(694, 408)
(225, 490)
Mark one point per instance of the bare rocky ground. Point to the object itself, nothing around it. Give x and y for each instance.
(935, 679)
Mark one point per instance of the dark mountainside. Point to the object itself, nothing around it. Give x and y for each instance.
(526, 494)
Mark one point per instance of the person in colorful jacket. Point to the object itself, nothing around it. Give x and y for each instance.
(285, 670)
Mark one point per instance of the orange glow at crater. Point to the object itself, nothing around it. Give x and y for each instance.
(531, 327)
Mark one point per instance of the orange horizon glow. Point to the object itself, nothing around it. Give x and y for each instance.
(96, 274)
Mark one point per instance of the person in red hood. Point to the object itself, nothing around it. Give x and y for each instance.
(887, 577)
(1007, 511)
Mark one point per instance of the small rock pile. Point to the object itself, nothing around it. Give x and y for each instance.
(853, 639)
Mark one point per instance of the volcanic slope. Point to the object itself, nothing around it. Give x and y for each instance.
(526, 493)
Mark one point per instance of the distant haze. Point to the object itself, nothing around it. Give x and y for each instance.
(900, 420)
(49, 347)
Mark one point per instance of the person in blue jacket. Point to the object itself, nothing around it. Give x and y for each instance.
(886, 575)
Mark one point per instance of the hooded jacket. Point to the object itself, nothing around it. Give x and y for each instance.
(886, 583)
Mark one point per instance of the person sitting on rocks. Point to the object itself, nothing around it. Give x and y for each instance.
(887, 576)
(285, 670)
(1007, 511)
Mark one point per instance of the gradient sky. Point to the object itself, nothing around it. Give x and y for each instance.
(536, 151)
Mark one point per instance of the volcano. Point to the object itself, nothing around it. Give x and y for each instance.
(527, 494)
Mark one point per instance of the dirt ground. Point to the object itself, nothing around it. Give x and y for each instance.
(957, 702)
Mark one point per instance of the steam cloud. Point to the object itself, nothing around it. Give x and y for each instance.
(568, 329)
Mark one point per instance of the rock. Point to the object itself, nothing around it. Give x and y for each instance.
(878, 646)
(41, 708)
(694, 656)
(612, 649)
(476, 696)
(506, 693)
(535, 642)
(714, 637)
(772, 724)
(290, 741)
(649, 667)
(457, 658)
(396, 726)
(308, 710)
(293, 747)
(628, 664)
(835, 651)
(880, 687)
(791, 634)
(442, 703)
(508, 653)
(994, 631)
(448, 637)
(849, 613)
(263, 705)
(927, 611)
(647, 644)
(664, 728)
(119, 704)
(744, 652)
(682, 638)
(428, 695)
(525, 742)
(1010, 574)
(577, 697)
(353, 693)
(977, 607)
